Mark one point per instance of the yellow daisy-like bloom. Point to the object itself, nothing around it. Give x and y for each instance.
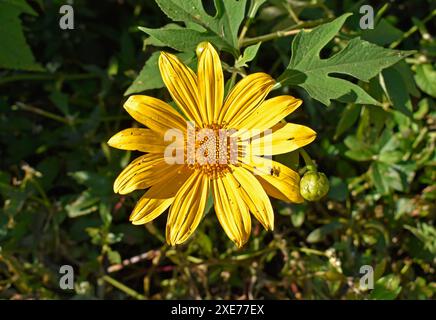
(238, 187)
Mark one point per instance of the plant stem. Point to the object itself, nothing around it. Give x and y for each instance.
(292, 13)
(135, 259)
(381, 12)
(43, 113)
(123, 288)
(283, 33)
(244, 31)
(41, 191)
(68, 121)
(412, 30)
(268, 37)
(255, 5)
(46, 76)
(233, 79)
(310, 165)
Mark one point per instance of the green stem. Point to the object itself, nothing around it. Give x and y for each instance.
(41, 191)
(68, 121)
(412, 30)
(276, 86)
(123, 288)
(283, 33)
(293, 14)
(233, 79)
(326, 10)
(381, 12)
(45, 76)
(310, 165)
(43, 113)
(268, 37)
(244, 31)
(310, 251)
(250, 17)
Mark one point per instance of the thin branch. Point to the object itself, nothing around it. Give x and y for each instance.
(283, 33)
(45, 76)
(43, 113)
(412, 30)
(135, 259)
(123, 288)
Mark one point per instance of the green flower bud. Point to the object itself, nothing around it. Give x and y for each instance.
(314, 185)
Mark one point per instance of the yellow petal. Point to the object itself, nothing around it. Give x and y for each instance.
(144, 140)
(154, 113)
(255, 197)
(160, 196)
(269, 113)
(210, 84)
(278, 180)
(148, 209)
(245, 96)
(141, 173)
(284, 138)
(181, 82)
(187, 209)
(231, 210)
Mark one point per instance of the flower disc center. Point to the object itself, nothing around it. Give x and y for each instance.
(211, 149)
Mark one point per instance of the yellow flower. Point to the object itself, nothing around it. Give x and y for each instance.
(237, 187)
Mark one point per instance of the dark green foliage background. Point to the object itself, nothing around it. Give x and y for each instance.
(56, 170)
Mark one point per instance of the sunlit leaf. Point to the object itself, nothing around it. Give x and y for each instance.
(359, 59)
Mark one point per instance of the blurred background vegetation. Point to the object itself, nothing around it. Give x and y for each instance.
(59, 106)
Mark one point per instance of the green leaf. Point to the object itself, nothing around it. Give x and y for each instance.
(254, 7)
(377, 175)
(22, 5)
(96, 182)
(391, 151)
(408, 77)
(248, 55)
(391, 157)
(298, 215)
(156, 42)
(209, 203)
(359, 150)
(221, 29)
(181, 39)
(393, 178)
(149, 77)
(384, 33)
(348, 118)
(423, 108)
(386, 288)
(113, 256)
(84, 204)
(426, 234)
(60, 100)
(426, 79)
(371, 123)
(385, 177)
(320, 234)
(15, 53)
(105, 213)
(338, 189)
(396, 90)
(359, 155)
(359, 59)
(203, 242)
(297, 219)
